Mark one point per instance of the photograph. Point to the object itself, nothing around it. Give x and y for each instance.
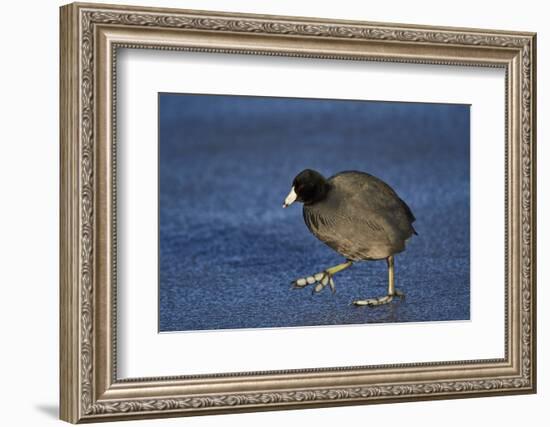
(291, 212)
(261, 211)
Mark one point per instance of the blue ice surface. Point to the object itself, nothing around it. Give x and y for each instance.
(229, 251)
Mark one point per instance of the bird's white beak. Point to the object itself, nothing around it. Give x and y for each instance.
(291, 198)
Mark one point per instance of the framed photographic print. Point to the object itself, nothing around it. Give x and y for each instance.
(266, 212)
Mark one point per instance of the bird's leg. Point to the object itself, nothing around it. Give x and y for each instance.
(322, 278)
(392, 292)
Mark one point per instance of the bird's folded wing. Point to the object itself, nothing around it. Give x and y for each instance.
(344, 227)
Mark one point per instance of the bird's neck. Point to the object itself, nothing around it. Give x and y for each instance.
(320, 193)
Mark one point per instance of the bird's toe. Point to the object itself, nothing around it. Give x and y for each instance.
(372, 302)
(318, 288)
(320, 280)
(299, 283)
(332, 285)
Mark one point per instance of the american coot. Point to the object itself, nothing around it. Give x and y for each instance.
(359, 216)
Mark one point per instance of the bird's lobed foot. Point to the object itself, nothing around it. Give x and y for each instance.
(321, 280)
(372, 302)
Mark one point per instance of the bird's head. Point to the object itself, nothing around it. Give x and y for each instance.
(308, 187)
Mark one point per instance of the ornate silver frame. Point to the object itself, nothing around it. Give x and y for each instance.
(90, 36)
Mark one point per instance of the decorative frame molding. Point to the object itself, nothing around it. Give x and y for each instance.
(90, 36)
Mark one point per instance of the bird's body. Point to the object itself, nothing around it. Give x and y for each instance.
(361, 217)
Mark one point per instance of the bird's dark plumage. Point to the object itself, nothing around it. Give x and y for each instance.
(354, 213)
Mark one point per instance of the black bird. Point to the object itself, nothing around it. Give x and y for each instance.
(359, 216)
